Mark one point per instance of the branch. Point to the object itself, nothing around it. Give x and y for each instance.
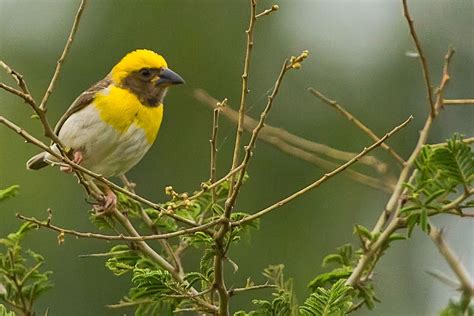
(424, 65)
(153, 255)
(212, 141)
(467, 285)
(274, 8)
(26, 97)
(244, 91)
(272, 134)
(394, 203)
(60, 62)
(144, 216)
(356, 122)
(220, 246)
(16, 76)
(468, 140)
(385, 186)
(458, 102)
(47, 224)
(293, 63)
(322, 179)
(444, 80)
(31, 139)
(236, 291)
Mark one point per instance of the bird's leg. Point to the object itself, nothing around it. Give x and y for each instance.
(110, 199)
(77, 159)
(107, 203)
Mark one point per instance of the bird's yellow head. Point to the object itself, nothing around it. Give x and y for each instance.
(146, 74)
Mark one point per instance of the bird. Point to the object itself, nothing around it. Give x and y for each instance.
(111, 126)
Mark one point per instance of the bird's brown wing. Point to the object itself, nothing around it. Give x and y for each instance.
(82, 101)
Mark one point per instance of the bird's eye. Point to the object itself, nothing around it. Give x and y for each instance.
(146, 73)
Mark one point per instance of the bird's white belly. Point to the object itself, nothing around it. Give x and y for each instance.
(105, 150)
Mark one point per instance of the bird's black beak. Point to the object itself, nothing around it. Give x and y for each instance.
(168, 77)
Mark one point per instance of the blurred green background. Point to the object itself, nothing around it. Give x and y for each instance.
(357, 56)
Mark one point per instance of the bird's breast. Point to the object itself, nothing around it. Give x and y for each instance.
(122, 109)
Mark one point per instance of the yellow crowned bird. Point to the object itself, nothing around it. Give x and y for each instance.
(110, 126)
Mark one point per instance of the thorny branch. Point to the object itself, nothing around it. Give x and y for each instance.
(62, 230)
(90, 188)
(323, 178)
(221, 248)
(389, 221)
(213, 143)
(60, 62)
(467, 285)
(245, 89)
(305, 149)
(394, 204)
(424, 64)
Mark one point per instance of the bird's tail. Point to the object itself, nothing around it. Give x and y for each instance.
(37, 162)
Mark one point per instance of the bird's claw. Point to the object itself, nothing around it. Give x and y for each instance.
(77, 159)
(107, 204)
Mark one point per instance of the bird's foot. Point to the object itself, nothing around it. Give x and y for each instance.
(107, 204)
(77, 159)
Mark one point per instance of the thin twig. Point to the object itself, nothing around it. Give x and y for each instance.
(287, 143)
(269, 133)
(33, 140)
(188, 296)
(129, 185)
(213, 142)
(220, 255)
(323, 178)
(356, 122)
(444, 80)
(27, 98)
(468, 140)
(248, 149)
(458, 101)
(424, 64)
(454, 205)
(60, 62)
(78, 234)
(143, 214)
(153, 255)
(274, 8)
(206, 187)
(444, 279)
(467, 285)
(245, 90)
(236, 291)
(17, 77)
(394, 204)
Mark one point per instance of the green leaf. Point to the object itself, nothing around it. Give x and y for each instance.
(396, 236)
(332, 258)
(455, 161)
(457, 309)
(284, 301)
(4, 312)
(122, 260)
(433, 196)
(330, 277)
(363, 232)
(18, 265)
(335, 301)
(344, 256)
(9, 192)
(100, 221)
(424, 219)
